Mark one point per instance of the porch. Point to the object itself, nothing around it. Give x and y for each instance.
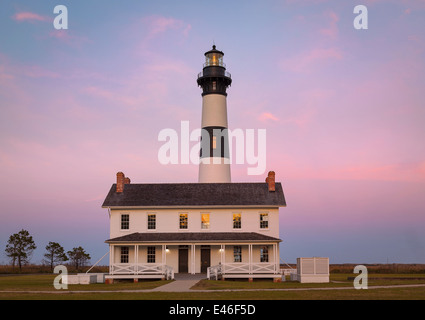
(208, 255)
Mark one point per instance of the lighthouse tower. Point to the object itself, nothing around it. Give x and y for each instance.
(214, 164)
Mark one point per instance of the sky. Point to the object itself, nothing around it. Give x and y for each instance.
(343, 109)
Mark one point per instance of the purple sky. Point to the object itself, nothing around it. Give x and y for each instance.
(343, 108)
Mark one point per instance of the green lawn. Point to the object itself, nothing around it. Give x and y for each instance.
(30, 283)
(337, 280)
(44, 282)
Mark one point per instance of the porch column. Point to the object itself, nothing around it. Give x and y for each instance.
(222, 256)
(136, 258)
(250, 258)
(276, 257)
(164, 254)
(111, 258)
(192, 264)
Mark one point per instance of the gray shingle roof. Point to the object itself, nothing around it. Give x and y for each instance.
(192, 237)
(195, 194)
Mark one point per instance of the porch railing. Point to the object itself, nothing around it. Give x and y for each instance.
(142, 268)
(217, 271)
(214, 272)
(240, 267)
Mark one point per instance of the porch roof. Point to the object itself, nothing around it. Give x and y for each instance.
(187, 237)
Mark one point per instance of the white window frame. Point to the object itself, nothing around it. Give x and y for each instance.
(187, 221)
(237, 252)
(233, 220)
(260, 220)
(150, 254)
(264, 253)
(121, 221)
(207, 226)
(125, 255)
(147, 221)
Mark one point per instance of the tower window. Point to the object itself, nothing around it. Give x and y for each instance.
(214, 85)
(214, 142)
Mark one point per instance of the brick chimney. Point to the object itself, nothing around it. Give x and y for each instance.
(120, 182)
(271, 181)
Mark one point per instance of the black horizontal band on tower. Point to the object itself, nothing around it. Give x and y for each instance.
(214, 80)
(214, 142)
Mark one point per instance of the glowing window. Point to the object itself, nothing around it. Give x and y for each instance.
(237, 221)
(183, 220)
(205, 221)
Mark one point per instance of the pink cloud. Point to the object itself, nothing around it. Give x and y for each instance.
(307, 61)
(414, 172)
(66, 36)
(265, 116)
(332, 29)
(30, 17)
(160, 24)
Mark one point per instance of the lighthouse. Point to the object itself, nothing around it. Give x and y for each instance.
(214, 166)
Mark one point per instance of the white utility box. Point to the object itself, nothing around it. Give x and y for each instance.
(313, 270)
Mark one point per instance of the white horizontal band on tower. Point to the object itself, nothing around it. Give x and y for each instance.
(214, 110)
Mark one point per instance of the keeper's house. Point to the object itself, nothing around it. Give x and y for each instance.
(227, 229)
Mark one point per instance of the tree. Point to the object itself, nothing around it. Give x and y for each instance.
(55, 254)
(20, 247)
(78, 257)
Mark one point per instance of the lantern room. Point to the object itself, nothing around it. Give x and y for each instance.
(214, 57)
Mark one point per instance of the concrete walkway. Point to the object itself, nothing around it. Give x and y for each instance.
(182, 283)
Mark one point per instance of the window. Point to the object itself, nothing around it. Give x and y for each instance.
(183, 221)
(264, 254)
(205, 221)
(151, 221)
(237, 254)
(214, 85)
(151, 255)
(237, 222)
(264, 220)
(125, 221)
(214, 142)
(124, 254)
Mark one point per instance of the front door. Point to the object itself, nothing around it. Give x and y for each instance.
(205, 259)
(183, 260)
